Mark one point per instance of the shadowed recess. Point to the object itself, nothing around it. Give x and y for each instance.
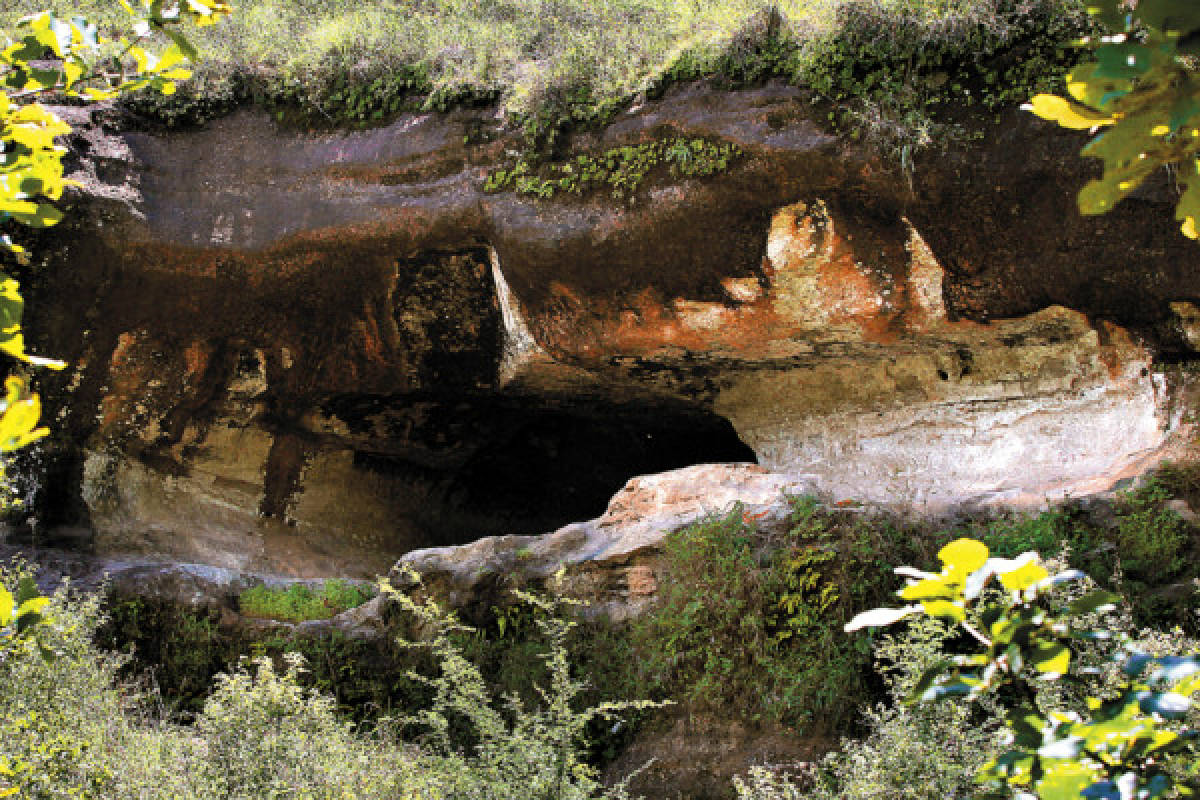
(527, 469)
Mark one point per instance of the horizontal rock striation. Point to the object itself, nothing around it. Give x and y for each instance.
(307, 354)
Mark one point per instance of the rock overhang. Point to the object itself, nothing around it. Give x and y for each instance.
(835, 316)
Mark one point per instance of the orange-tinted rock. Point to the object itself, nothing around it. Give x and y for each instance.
(340, 338)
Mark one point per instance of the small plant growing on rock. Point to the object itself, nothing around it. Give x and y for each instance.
(301, 602)
(621, 171)
(749, 619)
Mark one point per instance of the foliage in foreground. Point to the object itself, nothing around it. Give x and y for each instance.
(907, 753)
(932, 752)
(47, 55)
(80, 732)
(1132, 743)
(1143, 89)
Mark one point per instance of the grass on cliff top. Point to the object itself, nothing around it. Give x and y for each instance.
(360, 60)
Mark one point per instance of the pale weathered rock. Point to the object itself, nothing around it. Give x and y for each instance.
(605, 559)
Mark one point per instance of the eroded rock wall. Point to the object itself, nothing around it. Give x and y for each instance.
(309, 353)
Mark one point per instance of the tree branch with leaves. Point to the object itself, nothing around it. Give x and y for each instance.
(51, 57)
(1140, 96)
(1120, 747)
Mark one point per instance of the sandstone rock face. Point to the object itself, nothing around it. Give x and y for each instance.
(307, 354)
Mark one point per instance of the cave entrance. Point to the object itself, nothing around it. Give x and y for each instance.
(489, 466)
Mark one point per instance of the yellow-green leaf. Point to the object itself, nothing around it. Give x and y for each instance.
(1024, 576)
(33, 605)
(928, 589)
(1065, 780)
(964, 556)
(1051, 658)
(1066, 113)
(944, 609)
(6, 606)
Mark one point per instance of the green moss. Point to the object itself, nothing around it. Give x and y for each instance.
(300, 602)
(620, 171)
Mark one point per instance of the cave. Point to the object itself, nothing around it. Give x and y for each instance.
(499, 465)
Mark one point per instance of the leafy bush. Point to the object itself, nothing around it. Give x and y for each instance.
(538, 749)
(265, 736)
(80, 732)
(1151, 538)
(1137, 544)
(1131, 742)
(1143, 89)
(299, 602)
(929, 752)
(906, 753)
(751, 621)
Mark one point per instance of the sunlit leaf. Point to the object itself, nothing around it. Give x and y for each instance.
(928, 589)
(1065, 113)
(879, 617)
(944, 609)
(1065, 780)
(1052, 658)
(44, 215)
(1023, 577)
(964, 555)
(6, 607)
(1188, 209)
(1063, 748)
(1094, 92)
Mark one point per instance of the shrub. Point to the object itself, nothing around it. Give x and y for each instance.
(1136, 544)
(82, 733)
(1128, 742)
(1150, 537)
(751, 621)
(930, 752)
(906, 753)
(265, 736)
